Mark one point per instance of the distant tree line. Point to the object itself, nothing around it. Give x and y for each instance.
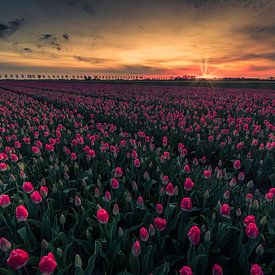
(112, 77)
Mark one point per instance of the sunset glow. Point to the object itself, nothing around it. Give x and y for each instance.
(136, 37)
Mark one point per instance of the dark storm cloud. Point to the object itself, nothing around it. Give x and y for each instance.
(91, 59)
(7, 29)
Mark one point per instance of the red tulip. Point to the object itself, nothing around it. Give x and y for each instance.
(188, 184)
(207, 174)
(169, 189)
(21, 213)
(114, 183)
(256, 270)
(102, 216)
(18, 258)
(159, 208)
(217, 270)
(143, 234)
(73, 156)
(249, 219)
(36, 197)
(160, 224)
(28, 187)
(186, 204)
(237, 164)
(136, 249)
(118, 172)
(225, 210)
(35, 150)
(136, 163)
(269, 196)
(186, 270)
(3, 167)
(194, 235)
(44, 191)
(47, 264)
(4, 200)
(252, 231)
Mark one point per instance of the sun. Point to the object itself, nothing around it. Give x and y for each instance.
(205, 74)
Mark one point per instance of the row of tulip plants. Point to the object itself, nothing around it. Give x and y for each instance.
(134, 179)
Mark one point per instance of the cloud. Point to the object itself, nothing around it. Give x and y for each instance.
(253, 5)
(86, 7)
(261, 68)
(52, 41)
(91, 59)
(66, 36)
(8, 29)
(83, 5)
(27, 50)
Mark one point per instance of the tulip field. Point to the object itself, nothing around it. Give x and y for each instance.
(101, 178)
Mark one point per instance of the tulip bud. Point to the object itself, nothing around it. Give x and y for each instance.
(77, 201)
(44, 245)
(250, 184)
(59, 252)
(238, 212)
(207, 236)
(263, 220)
(226, 194)
(260, 250)
(255, 205)
(120, 232)
(98, 183)
(5, 245)
(233, 182)
(12, 178)
(140, 202)
(62, 219)
(176, 191)
(88, 234)
(136, 249)
(78, 261)
(128, 197)
(97, 193)
(152, 230)
(66, 176)
(161, 191)
(214, 216)
(115, 210)
(134, 186)
(206, 194)
(84, 183)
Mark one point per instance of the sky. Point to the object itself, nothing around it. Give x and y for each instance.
(217, 38)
